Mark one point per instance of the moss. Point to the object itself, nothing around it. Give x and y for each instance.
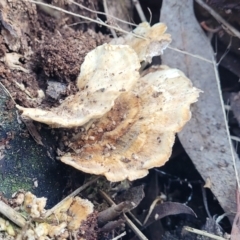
(24, 161)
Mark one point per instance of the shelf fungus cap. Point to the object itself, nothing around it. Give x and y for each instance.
(107, 72)
(138, 133)
(152, 42)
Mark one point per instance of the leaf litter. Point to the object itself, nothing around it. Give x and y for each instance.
(94, 120)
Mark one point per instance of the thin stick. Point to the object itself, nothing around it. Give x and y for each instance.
(237, 139)
(233, 30)
(226, 51)
(150, 12)
(7, 92)
(199, 232)
(226, 123)
(151, 209)
(134, 228)
(119, 236)
(134, 218)
(73, 194)
(190, 54)
(139, 10)
(128, 221)
(108, 18)
(210, 30)
(111, 202)
(102, 13)
(87, 18)
(12, 215)
(227, 107)
(107, 198)
(205, 203)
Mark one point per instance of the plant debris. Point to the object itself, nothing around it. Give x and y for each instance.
(65, 221)
(109, 110)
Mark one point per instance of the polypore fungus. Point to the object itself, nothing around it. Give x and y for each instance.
(130, 121)
(151, 41)
(107, 71)
(139, 131)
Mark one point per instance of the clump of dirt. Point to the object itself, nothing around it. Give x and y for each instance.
(89, 228)
(61, 54)
(37, 45)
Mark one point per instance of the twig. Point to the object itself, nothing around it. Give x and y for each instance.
(111, 202)
(150, 12)
(112, 225)
(86, 18)
(220, 218)
(134, 218)
(226, 51)
(128, 221)
(107, 198)
(108, 18)
(111, 213)
(190, 54)
(76, 23)
(203, 233)
(227, 107)
(134, 228)
(233, 30)
(119, 236)
(7, 92)
(139, 10)
(226, 123)
(12, 215)
(205, 203)
(102, 13)
(73, 194)
(237, 139)
(207, 28)
(151, 209)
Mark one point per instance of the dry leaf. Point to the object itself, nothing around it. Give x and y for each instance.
(139, 131)
(103, 77)
(206, 138)
(154, 42)
(168, 208)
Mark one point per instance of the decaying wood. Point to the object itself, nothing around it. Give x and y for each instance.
(11, 214)
(140, 235)
(111, 213)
